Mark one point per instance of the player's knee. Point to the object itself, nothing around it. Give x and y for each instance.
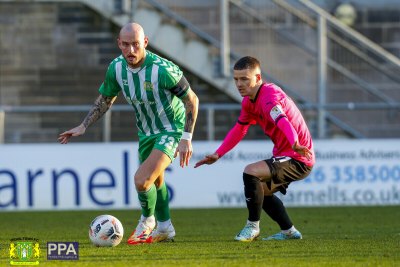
(248, 178)
(250, 170)
(142, 184)
(139, 186)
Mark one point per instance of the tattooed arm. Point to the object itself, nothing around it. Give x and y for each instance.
(184, 149)
(99, 108)
(191, 103)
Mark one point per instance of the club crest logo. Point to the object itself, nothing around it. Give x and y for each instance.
(24, 251)
(148, 86)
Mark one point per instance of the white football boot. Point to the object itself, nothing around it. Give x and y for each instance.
(162, 234)
(141, 234)
(250, 232)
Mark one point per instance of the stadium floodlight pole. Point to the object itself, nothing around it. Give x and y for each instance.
(2, 125)
(107, 127)
(210, 124)
(134, 5)
(322, 76)
(225, 38)
(126, 7)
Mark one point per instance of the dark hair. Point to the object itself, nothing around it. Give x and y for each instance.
(247, 63)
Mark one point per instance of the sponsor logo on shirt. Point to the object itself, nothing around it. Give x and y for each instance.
(148, 103)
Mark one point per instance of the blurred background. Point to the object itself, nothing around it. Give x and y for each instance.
(339, 60)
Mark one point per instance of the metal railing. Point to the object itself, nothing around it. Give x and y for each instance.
(107, 120)
(273, 19)
(210, 110)
(387, 102)
(330, 31)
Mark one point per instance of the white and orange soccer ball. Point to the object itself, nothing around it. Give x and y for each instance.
(106, 231)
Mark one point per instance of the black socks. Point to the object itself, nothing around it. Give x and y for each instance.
(256, 201)
(254, 195)
(273, 206)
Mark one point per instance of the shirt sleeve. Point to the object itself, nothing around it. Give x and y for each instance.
(279, 117)
(276, 112)
(169, 76)
(181, 88)
(110, 86)
(234, 136)
(287, 128)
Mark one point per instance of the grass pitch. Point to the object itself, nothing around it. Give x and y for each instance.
(335, 236)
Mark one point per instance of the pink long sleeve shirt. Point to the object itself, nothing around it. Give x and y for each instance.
(280, 120)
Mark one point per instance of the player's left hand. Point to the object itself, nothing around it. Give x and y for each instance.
(302, 150)
(185, 152)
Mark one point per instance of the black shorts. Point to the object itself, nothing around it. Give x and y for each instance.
(285, 170)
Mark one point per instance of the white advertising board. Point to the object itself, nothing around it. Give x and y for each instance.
(100, 176)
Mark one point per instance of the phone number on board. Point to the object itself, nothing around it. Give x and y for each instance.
(350, 173)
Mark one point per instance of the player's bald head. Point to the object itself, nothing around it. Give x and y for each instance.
(133, 43)
(132, 29)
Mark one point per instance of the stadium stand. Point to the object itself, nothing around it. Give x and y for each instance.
(55, 53)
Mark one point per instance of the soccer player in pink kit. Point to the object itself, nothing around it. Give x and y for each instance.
(293, 157)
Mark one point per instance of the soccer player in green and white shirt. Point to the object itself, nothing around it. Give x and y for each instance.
(166, 111)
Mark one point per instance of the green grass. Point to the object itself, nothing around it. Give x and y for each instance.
(335, 236)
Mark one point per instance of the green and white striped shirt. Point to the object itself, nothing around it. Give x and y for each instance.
(147, 89)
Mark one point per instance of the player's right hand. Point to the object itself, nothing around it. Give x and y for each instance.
(208, 159)
(65, 136)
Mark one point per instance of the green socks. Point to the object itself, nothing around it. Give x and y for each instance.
(147, 200)
(155, 200)
(162, 205)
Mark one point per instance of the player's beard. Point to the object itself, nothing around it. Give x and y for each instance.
(133, 61)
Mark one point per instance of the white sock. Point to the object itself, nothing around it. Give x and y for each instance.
(149, 221)
(256, 224)
(164, 225)
(289, 231)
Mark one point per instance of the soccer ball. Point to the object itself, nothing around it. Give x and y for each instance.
(106, 231)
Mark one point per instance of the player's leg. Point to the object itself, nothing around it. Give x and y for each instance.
(162, 205)
(253, 190)
(145, 177)
(284, 170)
(163, 145)
(166, 142)
(165, 230)
(275, 209)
